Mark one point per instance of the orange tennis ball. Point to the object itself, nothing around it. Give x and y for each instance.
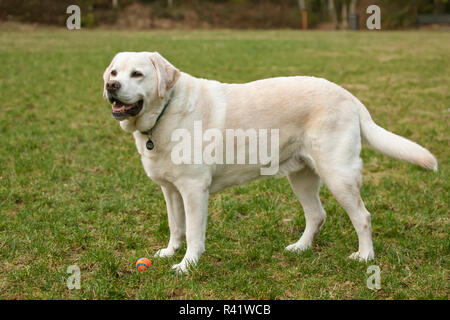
(143, 264)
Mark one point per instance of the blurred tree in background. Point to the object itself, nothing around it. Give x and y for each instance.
(244, 14)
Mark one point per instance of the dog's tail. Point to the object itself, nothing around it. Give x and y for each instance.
(391, 144)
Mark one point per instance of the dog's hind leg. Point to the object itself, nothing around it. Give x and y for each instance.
(306, 184)
(345, 189)
(342, 175)
(335, 149)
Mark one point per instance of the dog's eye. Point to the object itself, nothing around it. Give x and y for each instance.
(114, 73)
(136, 74)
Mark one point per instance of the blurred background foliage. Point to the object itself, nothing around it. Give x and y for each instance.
(234, 14)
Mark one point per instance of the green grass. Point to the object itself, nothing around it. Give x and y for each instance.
(73, 191)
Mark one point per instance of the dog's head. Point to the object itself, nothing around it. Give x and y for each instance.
(136, 80)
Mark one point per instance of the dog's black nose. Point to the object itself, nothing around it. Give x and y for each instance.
(112, 85)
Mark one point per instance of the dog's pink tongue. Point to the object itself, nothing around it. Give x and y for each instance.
(123, 107)
(119, 108)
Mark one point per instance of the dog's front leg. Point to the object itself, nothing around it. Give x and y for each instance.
(176, 215)
(195, 200)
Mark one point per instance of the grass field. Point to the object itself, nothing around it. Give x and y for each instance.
(73, 191)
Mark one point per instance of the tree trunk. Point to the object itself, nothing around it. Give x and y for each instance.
(353, 18)
(332, 13)
(302, 6)
(344, 16)
(353, 6)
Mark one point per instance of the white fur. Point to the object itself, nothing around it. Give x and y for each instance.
(320, 125)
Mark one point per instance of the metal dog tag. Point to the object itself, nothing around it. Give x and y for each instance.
(149, 144)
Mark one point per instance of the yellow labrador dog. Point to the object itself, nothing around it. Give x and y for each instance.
(317, 126)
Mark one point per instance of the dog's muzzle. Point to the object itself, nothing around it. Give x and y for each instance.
(122, 111)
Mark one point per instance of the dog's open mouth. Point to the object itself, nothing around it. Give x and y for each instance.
(121, 111)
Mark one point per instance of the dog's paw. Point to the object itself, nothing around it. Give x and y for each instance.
(362, 257)
(164, 253)
(298, 247)
(184, 266)
(181, 268)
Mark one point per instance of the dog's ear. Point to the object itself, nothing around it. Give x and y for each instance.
(166, 74)
(106, 76)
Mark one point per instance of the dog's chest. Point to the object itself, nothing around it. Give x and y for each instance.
(156, 162)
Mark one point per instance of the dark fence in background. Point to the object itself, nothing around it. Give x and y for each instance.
(240, 14)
